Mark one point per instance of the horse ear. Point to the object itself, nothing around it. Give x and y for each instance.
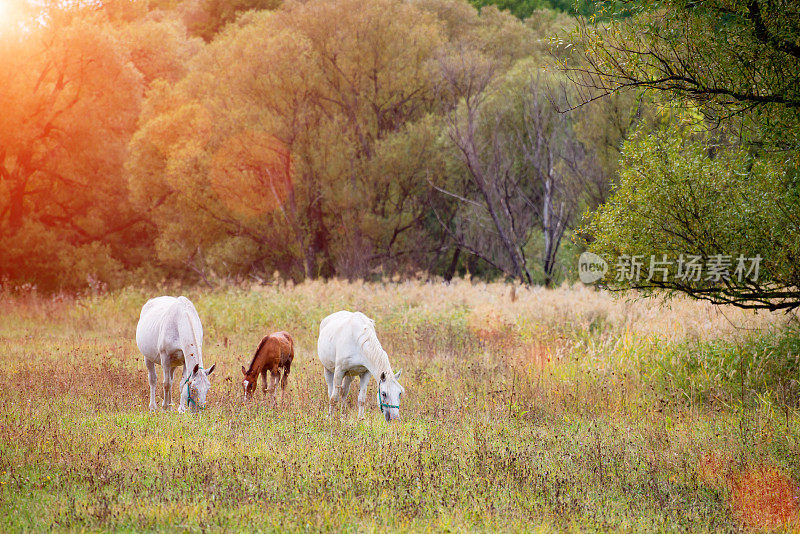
(383, 377)
(196, 367)
(244, 371)
(211, 370)
(397, 374)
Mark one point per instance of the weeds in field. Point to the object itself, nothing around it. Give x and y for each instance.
(559, 409)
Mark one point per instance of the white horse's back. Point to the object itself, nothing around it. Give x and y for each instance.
(336, 318)
(168, 324)
(339, 336)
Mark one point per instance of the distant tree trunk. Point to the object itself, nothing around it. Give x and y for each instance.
(451, 269)
(552, 224)
(318, 244)
(547, 199)
(309, 263)
(15, 206)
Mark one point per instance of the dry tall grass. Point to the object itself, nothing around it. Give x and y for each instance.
(526, 409)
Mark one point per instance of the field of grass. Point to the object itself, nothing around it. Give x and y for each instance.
(525, 409)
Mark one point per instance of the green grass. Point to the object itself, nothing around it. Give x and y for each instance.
(575, 421)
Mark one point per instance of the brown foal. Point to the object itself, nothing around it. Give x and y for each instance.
(275, 352)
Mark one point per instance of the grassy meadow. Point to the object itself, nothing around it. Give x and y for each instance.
(525, 409)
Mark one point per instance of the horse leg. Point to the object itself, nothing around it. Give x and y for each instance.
(338, 375)
(284, 381)
(153, 380)
(348, 379)
(183, 398)
(166, 369)
(276, 375)
(329, 381)
(183, 391)
(363, 382)
(265, 382)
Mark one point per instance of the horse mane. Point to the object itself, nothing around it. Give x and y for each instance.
(255, 354)
(188, 307)
(368, 341)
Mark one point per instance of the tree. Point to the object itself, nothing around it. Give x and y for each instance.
(288, 80)
(732, 59)
(403, 225)
(717, 225)
(732, 66)
(207, 18)
(75, 101)
(521, 158)
(160, 47)
(523, 9)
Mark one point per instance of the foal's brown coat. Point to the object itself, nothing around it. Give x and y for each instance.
(275, 352)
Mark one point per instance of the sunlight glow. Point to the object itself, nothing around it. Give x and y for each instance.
(5, 13)
(8, 16)
(12, 16)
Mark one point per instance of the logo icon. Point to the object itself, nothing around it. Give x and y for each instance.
(591, 267)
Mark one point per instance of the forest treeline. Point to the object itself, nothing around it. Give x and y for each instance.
(350, 138)
(206, 139)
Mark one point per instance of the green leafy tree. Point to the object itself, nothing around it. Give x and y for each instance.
(523, 9)
(727, 188)
(403, 224)
(734, 60)
(679, 205)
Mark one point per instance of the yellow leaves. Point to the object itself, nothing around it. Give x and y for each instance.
(160, 49)
(374, 50)
(179, 137)
(297, 100)
(175, 128)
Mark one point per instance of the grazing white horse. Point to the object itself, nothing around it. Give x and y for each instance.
(169, 333)
(348, 347)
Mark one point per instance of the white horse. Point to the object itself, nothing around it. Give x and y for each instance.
(348, 347)
(169, 333)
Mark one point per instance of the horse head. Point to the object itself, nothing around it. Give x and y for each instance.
(197, 386)
(389, 393)
(248, 383)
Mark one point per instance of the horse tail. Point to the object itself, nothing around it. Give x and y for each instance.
(289, 345)
(286, 355)
(287, 365)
